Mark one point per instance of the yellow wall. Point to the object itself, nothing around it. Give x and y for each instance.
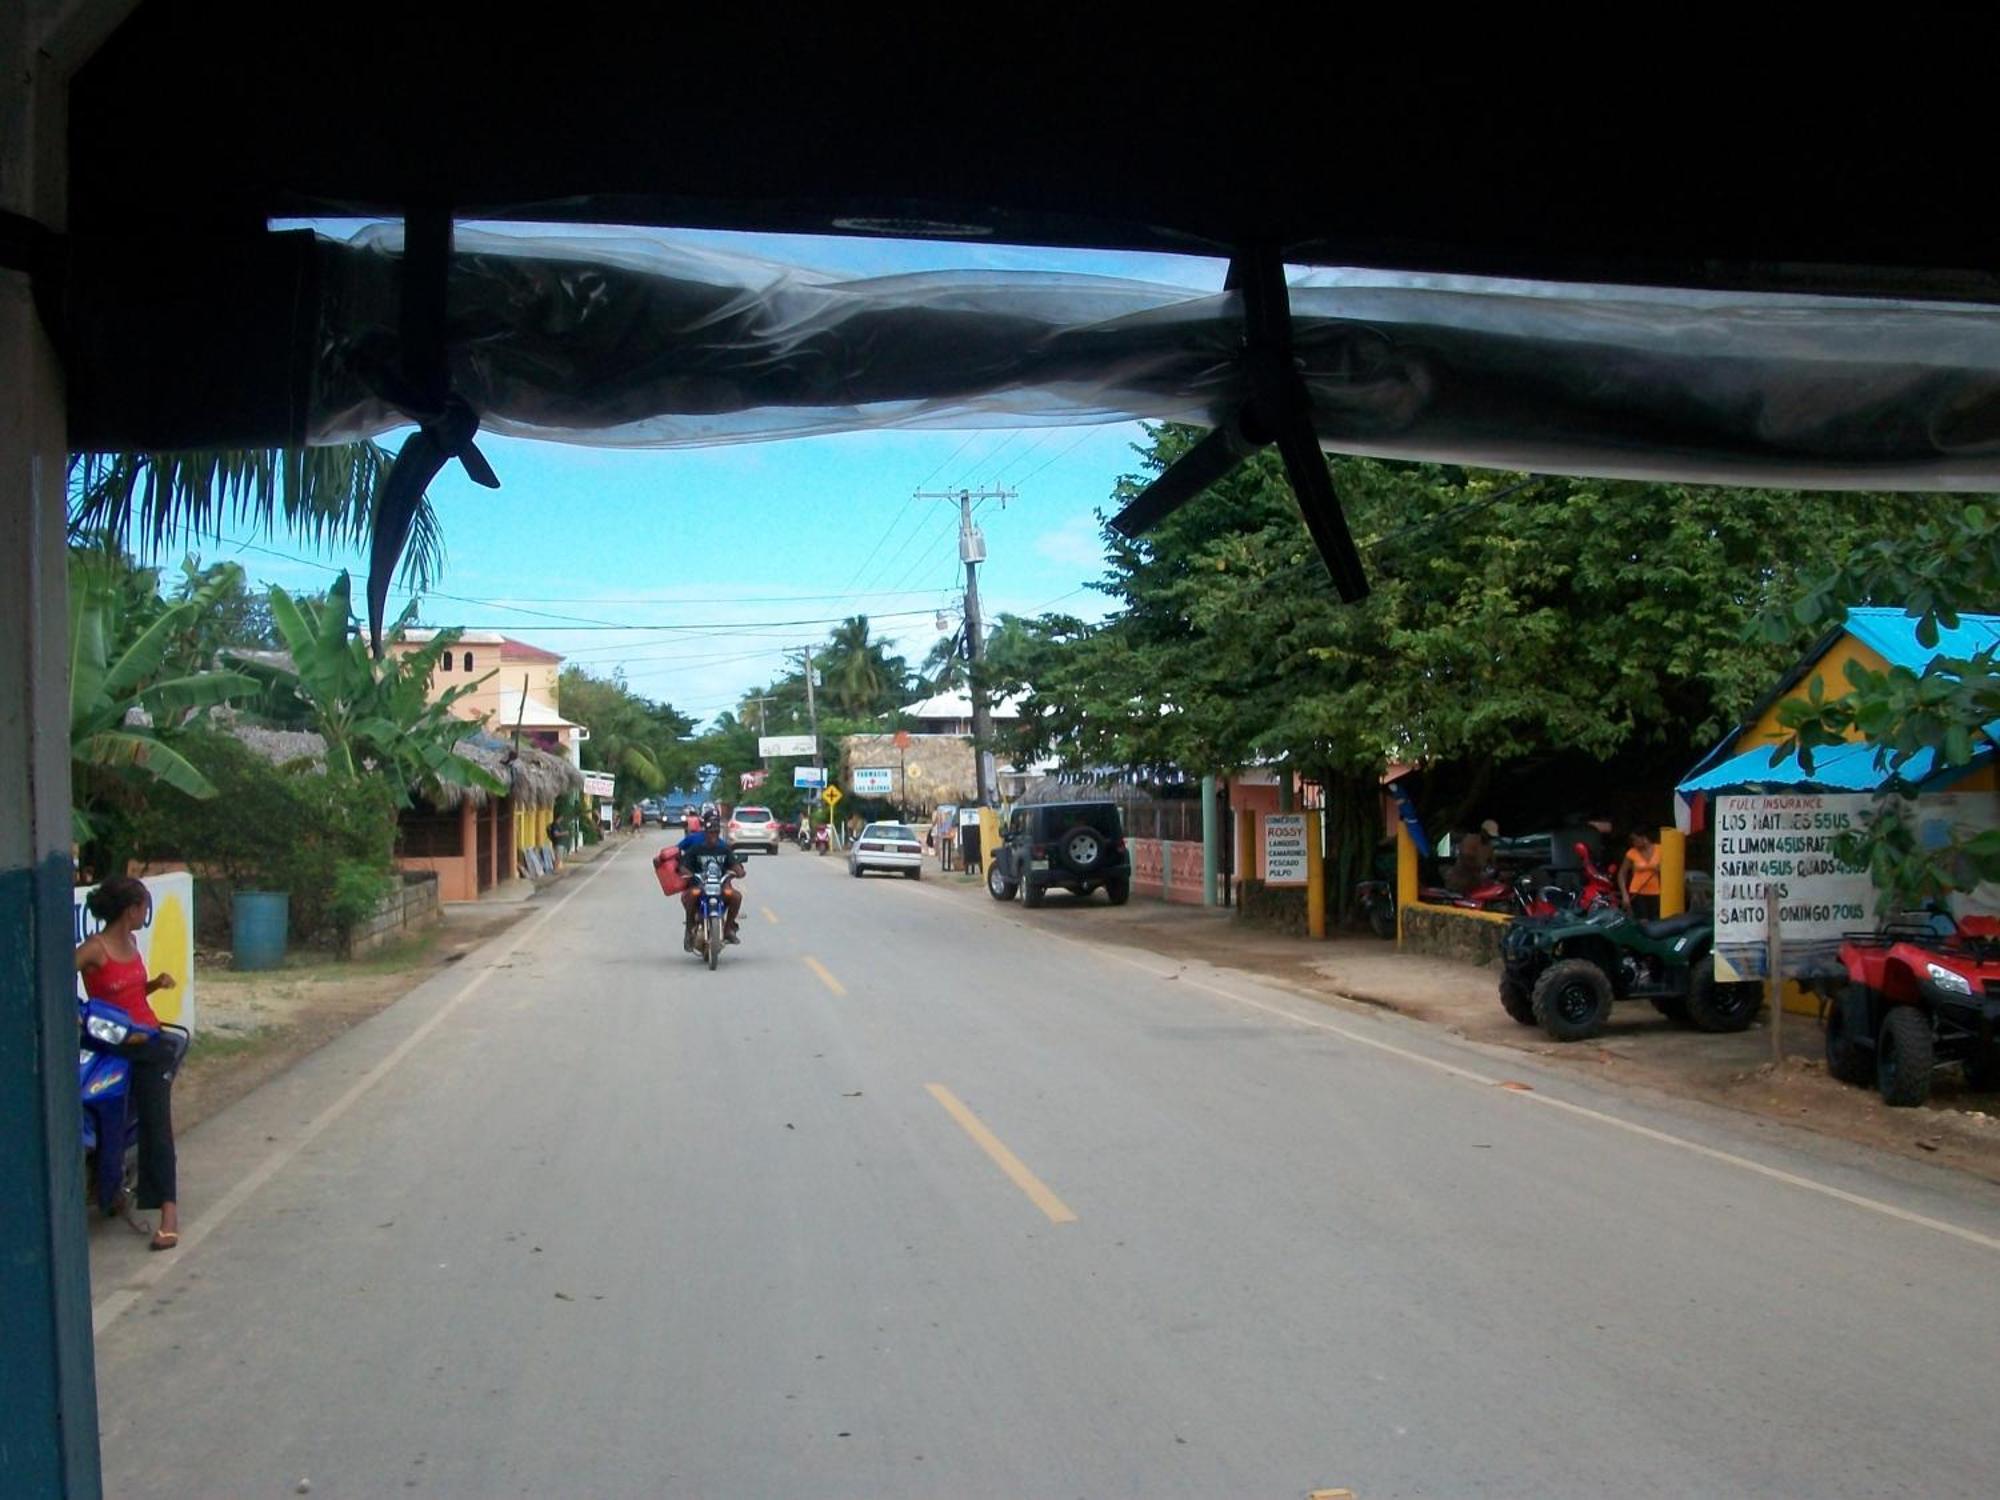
(1831, 672)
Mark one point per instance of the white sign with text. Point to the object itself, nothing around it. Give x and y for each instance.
(872, 781)
(1285, 849)
(777, 746)
(1782, 847)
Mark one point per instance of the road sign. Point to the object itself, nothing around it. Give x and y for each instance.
(831, 796)
(752, 780)
(777, 746)
(872, 781)
(902, 739)
(808, 776)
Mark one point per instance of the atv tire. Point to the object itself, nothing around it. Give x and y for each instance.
(1572, 1000)
(1982, 1069)
(1721, 1007)
(1846, 1058)
(1517, 1002)
(1904, 1057)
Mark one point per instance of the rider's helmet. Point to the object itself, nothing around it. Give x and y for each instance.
(712, 820)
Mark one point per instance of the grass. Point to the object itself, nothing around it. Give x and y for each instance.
(209, 1045)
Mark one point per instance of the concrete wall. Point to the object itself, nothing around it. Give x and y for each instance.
(414, 906)
(1166, 869)
(1449, 932)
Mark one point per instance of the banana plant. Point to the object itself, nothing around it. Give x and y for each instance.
(377, 717)
(118, 697)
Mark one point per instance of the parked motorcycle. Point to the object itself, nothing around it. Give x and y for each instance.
(104, 1075)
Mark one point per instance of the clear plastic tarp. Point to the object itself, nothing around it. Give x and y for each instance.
(633, 342)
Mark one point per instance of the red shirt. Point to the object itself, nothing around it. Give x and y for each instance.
(122, 982)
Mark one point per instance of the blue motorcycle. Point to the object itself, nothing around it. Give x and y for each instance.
(104, 1074)
(711, 912)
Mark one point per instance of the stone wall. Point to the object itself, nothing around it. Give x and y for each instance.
(938, 767)
(1281, 908)
(411, 907)
(1446, 932)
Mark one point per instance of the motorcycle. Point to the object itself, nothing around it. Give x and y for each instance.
(104, 1076)
(805, 839)
(711, 911)
(823, 837)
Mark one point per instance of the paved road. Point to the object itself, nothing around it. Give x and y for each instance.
(919, 1196)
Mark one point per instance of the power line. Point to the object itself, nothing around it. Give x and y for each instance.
(1088, 434)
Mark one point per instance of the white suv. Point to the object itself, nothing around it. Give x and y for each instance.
(753, 827)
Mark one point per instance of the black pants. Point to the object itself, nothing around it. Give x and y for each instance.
(153, 1070)
(1646, 908)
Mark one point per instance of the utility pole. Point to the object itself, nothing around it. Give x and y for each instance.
(972, 552)
(812, 720)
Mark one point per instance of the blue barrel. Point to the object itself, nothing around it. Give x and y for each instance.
(257, 928)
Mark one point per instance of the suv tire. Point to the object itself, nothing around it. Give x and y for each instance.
(1517, 1002)
(1572, 999)
(1083, 848)
(1904, 1057)
(1032, 894)
(1846, 1058)
(1721, 1007)
(1118, 891)
(998, 886)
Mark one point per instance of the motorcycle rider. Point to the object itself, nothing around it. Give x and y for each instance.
(693, 849)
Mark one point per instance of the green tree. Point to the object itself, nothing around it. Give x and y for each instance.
(126, 696)
(322, 497)
(945, 668)
(1511, 617)
(1945, 565)
(377, 717)
(642, 742)
(863, 680)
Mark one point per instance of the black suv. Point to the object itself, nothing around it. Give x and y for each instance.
(1066, 846)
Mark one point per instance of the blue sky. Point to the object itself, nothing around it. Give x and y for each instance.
(725, 542)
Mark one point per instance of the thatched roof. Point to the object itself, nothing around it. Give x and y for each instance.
(535, 778)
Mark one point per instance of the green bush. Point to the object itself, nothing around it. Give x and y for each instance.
(358, 889)
(328, 843)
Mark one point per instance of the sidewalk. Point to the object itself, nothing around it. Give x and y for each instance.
(1958, 1128)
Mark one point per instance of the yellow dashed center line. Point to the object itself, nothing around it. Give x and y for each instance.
(825, 978)
(769, 915)
(1017, 1170)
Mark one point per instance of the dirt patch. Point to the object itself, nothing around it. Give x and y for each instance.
(254, 1026)
(1641, 1048)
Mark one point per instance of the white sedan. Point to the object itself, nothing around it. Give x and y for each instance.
(887, 846)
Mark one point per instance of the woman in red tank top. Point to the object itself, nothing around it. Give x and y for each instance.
(114, 972)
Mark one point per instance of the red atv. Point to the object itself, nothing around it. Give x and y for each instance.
(1923, 992)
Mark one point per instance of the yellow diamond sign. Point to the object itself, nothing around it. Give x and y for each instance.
(831, 796)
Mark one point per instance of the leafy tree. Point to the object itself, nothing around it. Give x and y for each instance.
(863, 680)
(638, 740)
(1945, 565)
(125, 695)
(945, 668)
(323, 497)
(1511, 618)
(377, 717)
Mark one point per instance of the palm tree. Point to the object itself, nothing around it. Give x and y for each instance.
(945, 668)
(324, 497)
(862, 679)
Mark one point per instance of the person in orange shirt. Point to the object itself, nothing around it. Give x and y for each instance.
(1639, 878)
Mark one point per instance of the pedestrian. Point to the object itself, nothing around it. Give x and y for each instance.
(115, 973)
(1639, 877)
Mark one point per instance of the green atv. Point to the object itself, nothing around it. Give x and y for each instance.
(1563, 972)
